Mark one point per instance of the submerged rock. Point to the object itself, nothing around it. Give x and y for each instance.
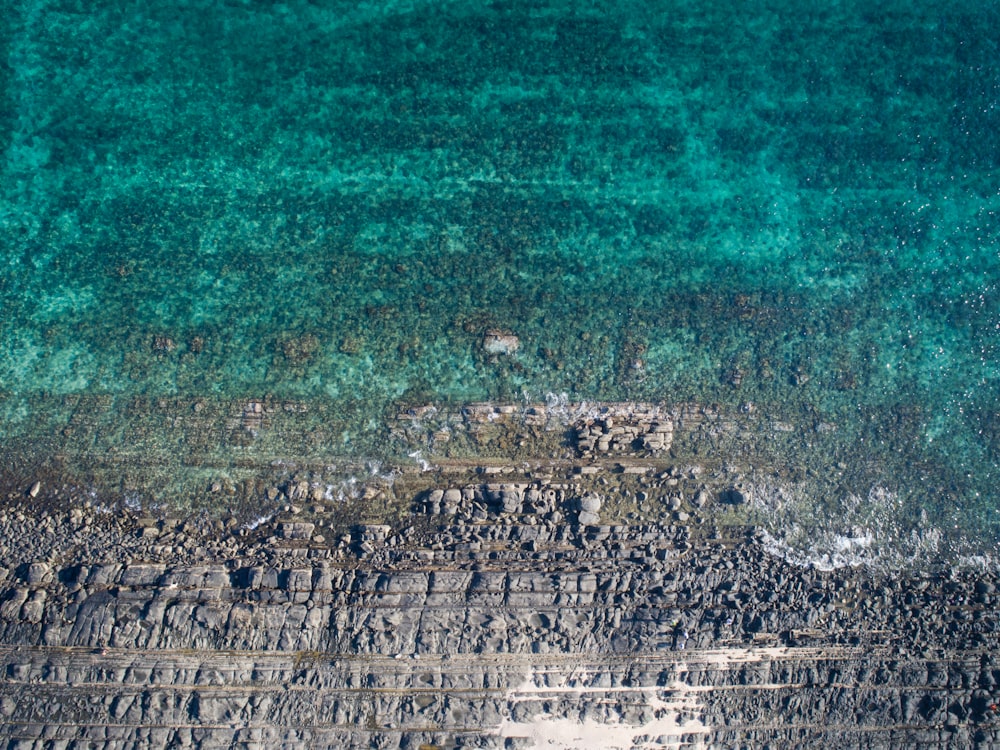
(500, 342)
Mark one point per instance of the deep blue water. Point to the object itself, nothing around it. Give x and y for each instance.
(332, 202)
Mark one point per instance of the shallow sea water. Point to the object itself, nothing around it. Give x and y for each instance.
(330, 203)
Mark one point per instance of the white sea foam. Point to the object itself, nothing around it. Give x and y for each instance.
(876, 530)
(133, 501)
(830, 552)
(251, 525)
(422, 462)
(977, 562)
(351, 485)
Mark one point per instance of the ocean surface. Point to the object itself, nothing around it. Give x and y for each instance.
(780, 206)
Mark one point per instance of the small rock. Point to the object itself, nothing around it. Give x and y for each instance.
(734, 496)
(34, 608)
(35, 489)
(39, 572)
(296, 530)
(11, 608)
(163, 344)
(590, 503)
(511, 501)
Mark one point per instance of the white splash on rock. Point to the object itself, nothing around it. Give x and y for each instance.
(422, 462)
(256, 522)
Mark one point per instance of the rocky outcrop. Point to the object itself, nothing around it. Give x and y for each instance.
(496, 632)
(509, 608)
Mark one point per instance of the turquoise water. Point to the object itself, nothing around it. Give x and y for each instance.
(331, 202)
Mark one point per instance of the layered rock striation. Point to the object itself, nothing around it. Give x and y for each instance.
(510, 607)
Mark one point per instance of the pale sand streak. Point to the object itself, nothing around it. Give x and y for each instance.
(676, 717)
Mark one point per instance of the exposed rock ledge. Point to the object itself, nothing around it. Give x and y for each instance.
(489, 617)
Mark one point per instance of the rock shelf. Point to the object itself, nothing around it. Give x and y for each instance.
(509, 606)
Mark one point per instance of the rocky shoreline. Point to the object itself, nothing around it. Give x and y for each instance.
(600, 595)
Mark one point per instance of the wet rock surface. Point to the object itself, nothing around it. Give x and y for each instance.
(509, 605)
